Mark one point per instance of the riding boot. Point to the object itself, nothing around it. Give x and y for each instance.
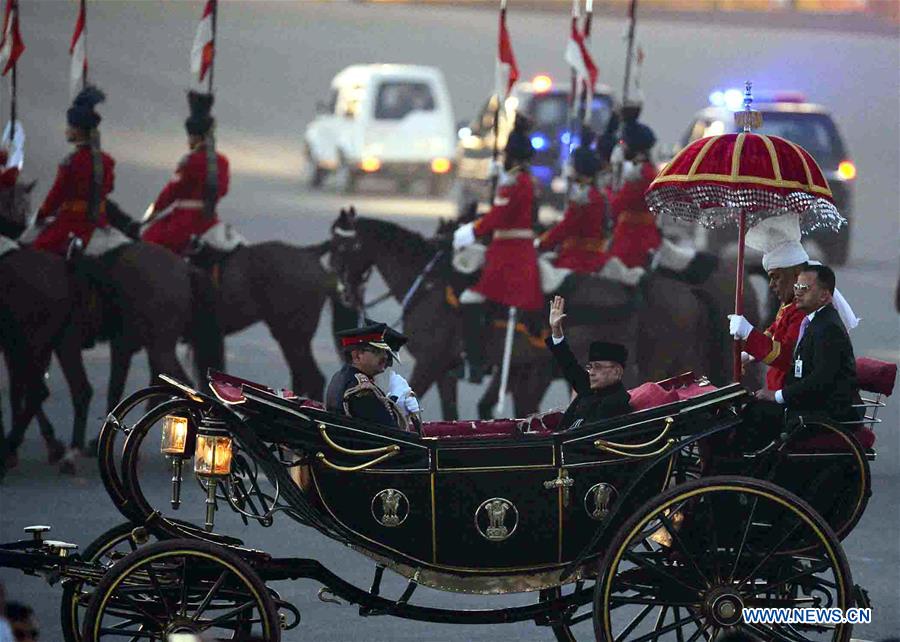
(473, 330)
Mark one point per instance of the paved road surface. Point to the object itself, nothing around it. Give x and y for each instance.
(275, 61)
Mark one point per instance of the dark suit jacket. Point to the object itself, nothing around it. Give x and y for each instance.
(589, 405)
(827, 384)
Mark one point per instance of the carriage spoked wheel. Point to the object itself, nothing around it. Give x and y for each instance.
(688, 563)
(107, 549)
(182, 586)
(835, 480)
(112, 436)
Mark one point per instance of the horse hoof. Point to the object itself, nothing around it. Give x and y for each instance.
(55, 450)
(67, 464)
(93, 447)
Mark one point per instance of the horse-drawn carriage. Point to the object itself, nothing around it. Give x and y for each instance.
(654, 525)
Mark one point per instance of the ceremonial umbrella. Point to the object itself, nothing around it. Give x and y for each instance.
(742, 179)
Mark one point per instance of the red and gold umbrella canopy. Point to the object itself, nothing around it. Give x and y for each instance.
(715, 179)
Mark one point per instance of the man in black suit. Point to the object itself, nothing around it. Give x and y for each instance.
(822, 378)
(601, 394)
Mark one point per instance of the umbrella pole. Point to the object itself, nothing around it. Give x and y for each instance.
(739, 291)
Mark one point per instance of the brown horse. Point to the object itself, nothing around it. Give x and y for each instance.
(673, 330)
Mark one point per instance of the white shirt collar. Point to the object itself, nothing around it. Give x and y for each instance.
(812, 315)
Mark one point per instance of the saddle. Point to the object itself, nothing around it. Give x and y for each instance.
(211, 249)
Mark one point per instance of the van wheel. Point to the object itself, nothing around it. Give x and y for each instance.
(345, 178)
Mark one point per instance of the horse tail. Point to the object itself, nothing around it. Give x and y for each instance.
(205, 333)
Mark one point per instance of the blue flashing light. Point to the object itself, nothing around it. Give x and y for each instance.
(538, 141)
(564, 138)
(717, 99)
(543, 173)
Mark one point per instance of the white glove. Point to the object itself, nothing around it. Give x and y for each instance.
(411, 403)
(537, 242)
(495, 169)
(746, 358)
(149, 213)
(398, 387)
(464, 236)
(738, 326)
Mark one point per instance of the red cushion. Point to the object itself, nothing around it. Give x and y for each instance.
(876, 376)
(651, 395)
(693, 390)
(491, 428)
(830, 441)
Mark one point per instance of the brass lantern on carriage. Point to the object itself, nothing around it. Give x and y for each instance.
(175, 430)
(212, 460)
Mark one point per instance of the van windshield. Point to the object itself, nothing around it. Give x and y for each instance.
(815, 133)
(397, 98)
(551, 112)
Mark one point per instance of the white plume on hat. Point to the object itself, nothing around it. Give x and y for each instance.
(778, 238)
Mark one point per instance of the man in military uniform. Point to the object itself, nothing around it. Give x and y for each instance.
(352, 390)
(200, 181)
(77, 198)
(510, 275)
(580, 235)
(600, 393)
(635, 234)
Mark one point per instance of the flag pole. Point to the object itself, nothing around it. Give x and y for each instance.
(573, 85)
(585, 108)
(495, 152)
(629, 54)
(212, 63)
(84, 74)
(13, 85)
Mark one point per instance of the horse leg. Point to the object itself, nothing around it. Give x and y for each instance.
(69, 354)
(424, 375)
(120, 363)
(447, 388)
(306, 378)
(489, 398)
(27, 391)
(163, 360)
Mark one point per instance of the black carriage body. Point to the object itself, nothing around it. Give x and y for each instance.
(480, 507)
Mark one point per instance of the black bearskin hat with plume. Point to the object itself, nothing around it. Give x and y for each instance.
(81, 114)
(518, 145)
(200, 121)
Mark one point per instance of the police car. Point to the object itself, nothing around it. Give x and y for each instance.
(547, 107)
(787, 115)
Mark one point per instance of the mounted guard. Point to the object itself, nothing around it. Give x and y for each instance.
(200, 182)
(580, 236)
(77, 198)
(510, 275)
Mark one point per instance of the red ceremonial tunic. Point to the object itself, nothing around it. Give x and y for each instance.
(185, 193)
(68, 200)
(775, 346)
(8, 175)
(510, 275)
(581, 234)
(636, 233)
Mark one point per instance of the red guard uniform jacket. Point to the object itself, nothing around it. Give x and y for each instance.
(635, 234)
(510, 275)
(580, 234)
(185, 193)
(775, 346)
(68, 200)
(8, 175)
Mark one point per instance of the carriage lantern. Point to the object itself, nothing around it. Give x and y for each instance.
(212, 460)
(174, 436)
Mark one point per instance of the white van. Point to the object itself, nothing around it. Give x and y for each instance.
(384, 120)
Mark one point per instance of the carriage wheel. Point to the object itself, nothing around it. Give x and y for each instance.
(572, 625)
(836, 484)
(115, 428)
(107, 549)
(688, 562)
(181, 586)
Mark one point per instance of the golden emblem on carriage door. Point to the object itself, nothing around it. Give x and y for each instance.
(598, 500)
(496, 519)
(390, 507)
